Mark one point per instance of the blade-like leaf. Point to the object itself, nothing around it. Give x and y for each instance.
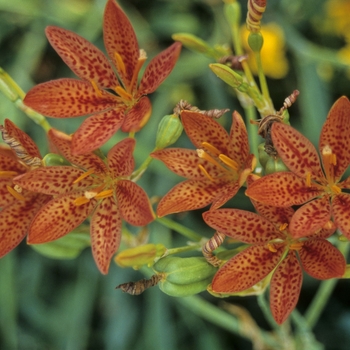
(282, 189)
(58, 217)
(120, 158)
(106, 227)
(245, 269)
(120, 38)
(310, 217)
(285, 288)
(83, 58)
(158, 69)
(96, 130)
(340, 212)
(321, 260)
(134, 204)
(67, 98)
(296, 151)
(242, 225)
(336, 134)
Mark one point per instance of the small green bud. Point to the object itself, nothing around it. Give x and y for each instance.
(225, 73)
(192, 42)
(169, 130)
(184, 290)
(275, 165)
(52, 159)
(263, 156)
(255, 41)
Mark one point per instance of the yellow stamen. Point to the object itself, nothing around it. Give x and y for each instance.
(202, 169)
(8, 173)
(104, 194)
(15, 193)
(141, 60)
(329, 225)
(119, 63)
(308, 179)
(96, 88)
(335, 189)
(83, 176)
(80, 201)
(211, 148)
(329, 161)
(229, 162)
(202, 154)
(271, 248)
(296, 245)
(283, 226)
(122, 93)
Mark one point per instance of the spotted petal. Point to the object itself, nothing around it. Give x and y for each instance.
(137, 116)
(63, 144)
(227, 191)
(120, 38)
(158, 69)
(83, 58)
(245, 269)
(15, 220)
(188, 195)
(336, 134)
(311, 217)
(106, 227)
(96, 130)
(67, 98)
(53, 180)
(134, 205)
(282, 189)
(201, 128)
(242, 225)
(58, 217)
(285, 288)
(120, 157)
(296, 151)
(321, 260)
(341, 213)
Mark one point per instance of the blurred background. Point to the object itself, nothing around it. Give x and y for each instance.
(57, 304)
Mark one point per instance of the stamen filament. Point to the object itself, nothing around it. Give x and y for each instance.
(329, 161)
(104, 194)
(335, 189)
(122, 93)
(308, 179)
(296, 245)
(8, 173)
(283, 226)
(202, 154)
(119, 63)
(80, 201)
(83, 176)
(271, 248)
(96, 88)
(202, 169)
(211, 148)
(229, 162)
(140, 62)
(15, 193)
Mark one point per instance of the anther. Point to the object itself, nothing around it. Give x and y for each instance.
(83, 176)
(95, 87)
(15, 193)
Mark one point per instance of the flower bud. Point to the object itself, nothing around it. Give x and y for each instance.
(255, 41)
(225, 73)
(53, 159)
(232, 11)
(184, 290)
(192, 42)
(140, 256)
(275, 165)
(169, 130)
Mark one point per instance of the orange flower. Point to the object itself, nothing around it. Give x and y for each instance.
(307, 182)
(104, 191)
(273, 248)
(127, 108)
(215, 171)
(18, 206)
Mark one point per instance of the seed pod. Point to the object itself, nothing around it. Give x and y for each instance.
(169, 130)
(184, 290)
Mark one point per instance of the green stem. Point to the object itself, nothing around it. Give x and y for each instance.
(137, 173)
(251, 117)
(183, 230)
(16, 95)
(262, 78)
(325, 290)
(186, 248)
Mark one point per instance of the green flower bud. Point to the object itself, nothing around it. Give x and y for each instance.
(263, 156)
(255, 41)
(192, 42)
(275, 165)
(52, 159)
(225, 73)
(169, 130)
(232, 11)
(184, 290)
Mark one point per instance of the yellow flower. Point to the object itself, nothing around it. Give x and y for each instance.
(337, 17)
(273, 55)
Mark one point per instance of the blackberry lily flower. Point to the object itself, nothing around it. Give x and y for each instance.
(320, 186)
(113, 102)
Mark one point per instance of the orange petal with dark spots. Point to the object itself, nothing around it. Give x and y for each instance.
(96, 130)
(106, 229)
(201, 128)
(67, 98)
(336, 134)
(285, 288)
(311, 217)
(188, 195)
(245, 269)
(242, 225)
(227, 191)
(321, 260)
(63, 145)
(120, 38)
(83, 58)
(137, 116)
(53, 180)
(158, 69)
(296, 151)
(120, 158)
(341, 213)
(282, 189)
(58, 217)
(133, 202)
(15, 220)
